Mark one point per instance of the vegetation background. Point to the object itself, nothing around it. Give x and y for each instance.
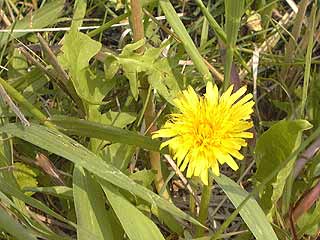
(83, 83)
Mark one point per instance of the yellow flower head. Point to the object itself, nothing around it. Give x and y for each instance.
(208, 130)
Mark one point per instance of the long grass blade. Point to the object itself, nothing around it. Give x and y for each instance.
(175, 22)
(234, 11)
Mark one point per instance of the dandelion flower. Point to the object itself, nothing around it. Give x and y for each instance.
(208, 130)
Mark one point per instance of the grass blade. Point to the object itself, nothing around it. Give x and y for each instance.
(11, 226)
(213, 23)
(188, 44)
(57, 191)
(12, 191)
(142, 228)
(68, 148)
(308, 62)
(106, 132)
(251, 212)
(92, 217)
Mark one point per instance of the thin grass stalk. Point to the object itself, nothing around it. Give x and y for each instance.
(149, 114)
(234, 11)
(192, 206)
(308, 63)
(219, 31)
(108, 25)
(291, 46)
(205, 29)
(212, 69)
(213, 23)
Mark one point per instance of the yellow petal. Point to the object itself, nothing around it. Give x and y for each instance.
(204, 177)
(215, 169)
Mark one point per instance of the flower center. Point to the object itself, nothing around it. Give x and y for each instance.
(206, 134)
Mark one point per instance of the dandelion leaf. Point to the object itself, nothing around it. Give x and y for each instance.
(77, 50)
(26, 176)
(157, 70)
(273, 147)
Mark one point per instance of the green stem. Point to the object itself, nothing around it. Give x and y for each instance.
(149, 114)
(19, 98)
(227, 68)
(204, 204)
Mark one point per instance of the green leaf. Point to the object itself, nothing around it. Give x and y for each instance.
(159, 73)
(79, 13)
(308, 59)
(143, 177)
(106, 132)
(77, 50)
(18, 66)
(309, 222)
(61, 145)
(11, 226)
(41, 18)
(115, 119)
(25, 176)
(119, 155)
(136, 225)
(92, 216)
(118, 119)
(111, 67)
(282, 139)
(251, 213)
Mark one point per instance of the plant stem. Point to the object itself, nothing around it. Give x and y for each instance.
(149, 114)
(136, 22)
(19, 98)
(204, 204)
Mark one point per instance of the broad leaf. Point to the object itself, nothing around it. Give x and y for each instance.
(77, 50)
(118, 154)
(273, 147)
(309, 222)
(159, 73)
(143, 177)
(26, 176)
